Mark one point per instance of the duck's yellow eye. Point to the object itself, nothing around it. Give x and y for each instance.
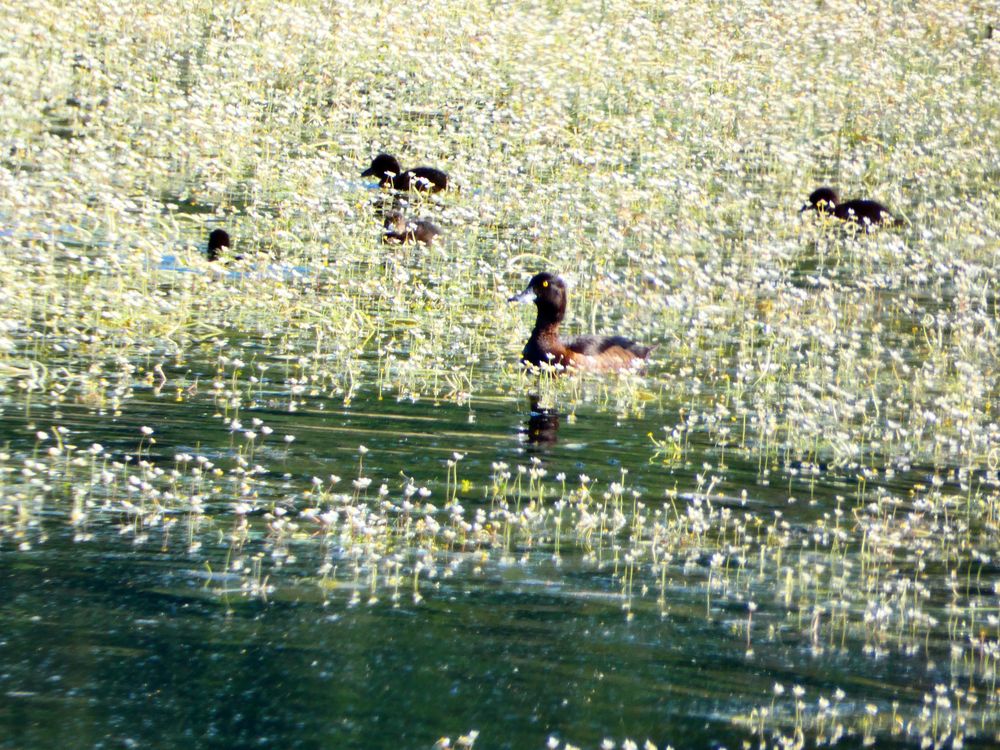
(545, 283)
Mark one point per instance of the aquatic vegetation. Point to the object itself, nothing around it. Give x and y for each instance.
(806, 469)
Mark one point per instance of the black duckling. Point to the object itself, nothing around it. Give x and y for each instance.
(391, 175)
(218, 239)
(860, 211)
(399, 229)
(594, 353)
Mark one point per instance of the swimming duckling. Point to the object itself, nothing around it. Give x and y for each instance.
(863, 212)
(218, 239)
(399, 229)
(594, 353)
(391, 175)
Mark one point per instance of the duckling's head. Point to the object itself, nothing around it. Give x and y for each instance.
(218, 239)
(395, 221)
(383, 166)
(822, 199)
(548, 292)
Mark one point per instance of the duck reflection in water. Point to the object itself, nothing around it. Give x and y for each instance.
(542, 427)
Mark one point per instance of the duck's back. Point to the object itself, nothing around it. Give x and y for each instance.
(423, 231)
(606, 352)
(413, 231)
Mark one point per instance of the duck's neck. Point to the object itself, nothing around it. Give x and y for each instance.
(390, 170)
(547, 322)
(827, 204)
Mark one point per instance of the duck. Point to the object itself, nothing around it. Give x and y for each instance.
(399, 229)
(391, 175)
(592, 353)
(217, 239)
(860, 211)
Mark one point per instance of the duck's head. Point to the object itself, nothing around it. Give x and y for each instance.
(383, 166)
(548, 292)
(821, 199)
(395, 221)
(218, 239)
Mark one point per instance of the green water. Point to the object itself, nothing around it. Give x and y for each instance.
(119, 643)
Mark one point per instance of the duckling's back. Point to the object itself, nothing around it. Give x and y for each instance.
(863, 211)
(428, 179)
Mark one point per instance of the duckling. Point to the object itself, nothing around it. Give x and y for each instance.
(218, 239)
(399, 229)
(391, 175)
(863, 212)
(594, 353)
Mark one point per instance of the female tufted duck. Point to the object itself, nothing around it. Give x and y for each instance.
(863, 212)
(391, 175)
(595, 353)
(399, 229)
(218, 239)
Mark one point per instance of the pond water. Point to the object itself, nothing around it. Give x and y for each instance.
(137, 638)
